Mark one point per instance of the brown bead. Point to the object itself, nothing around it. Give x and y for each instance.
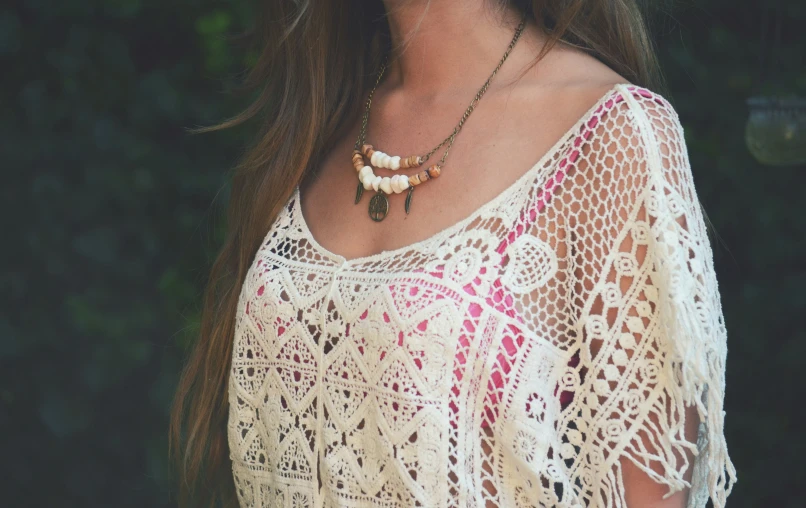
(358, 160)
(367, 150)
(410, 162)
(434, 171)
(414, 180)
(423, 176)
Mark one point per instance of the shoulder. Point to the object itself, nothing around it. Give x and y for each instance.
(577, 78)
(582, 79)
(632, 148)
(642, 123)
(572, 65)
(637, 144)
(572, 82)
(650, 111)
(649, 124)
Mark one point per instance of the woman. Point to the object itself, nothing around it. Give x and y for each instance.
(538, 324)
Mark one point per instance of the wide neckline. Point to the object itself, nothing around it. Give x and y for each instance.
(456, 226)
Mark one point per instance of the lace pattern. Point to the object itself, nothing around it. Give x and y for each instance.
(515, 359)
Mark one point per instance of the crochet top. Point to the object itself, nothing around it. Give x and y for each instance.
(514, 359)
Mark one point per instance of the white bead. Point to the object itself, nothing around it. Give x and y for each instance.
(366, 170)
(404, 182)
(367, 183)
(386, 162)
(395, 165)
(376, 183)
(374, 159)
(386, 185)
(394, 183)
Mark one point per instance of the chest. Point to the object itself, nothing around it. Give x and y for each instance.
(491, 152)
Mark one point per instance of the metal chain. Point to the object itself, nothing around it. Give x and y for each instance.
(362, 134)
(449, 140)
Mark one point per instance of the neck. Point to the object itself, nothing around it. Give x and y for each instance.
(440, 45)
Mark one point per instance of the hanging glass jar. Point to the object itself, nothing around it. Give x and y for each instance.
(776, 130)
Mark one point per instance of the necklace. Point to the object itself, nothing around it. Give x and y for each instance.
(383, 186)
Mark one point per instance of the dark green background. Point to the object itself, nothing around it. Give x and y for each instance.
(108, 232)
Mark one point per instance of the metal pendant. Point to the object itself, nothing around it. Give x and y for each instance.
(408, 200)
(378, 207)
(359, 192)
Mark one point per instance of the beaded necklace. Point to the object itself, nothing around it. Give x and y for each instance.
(379, 204)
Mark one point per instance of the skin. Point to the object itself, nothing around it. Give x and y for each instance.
(446, 50)
(426, 90)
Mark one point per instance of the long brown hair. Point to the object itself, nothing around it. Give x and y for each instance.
(317, 62)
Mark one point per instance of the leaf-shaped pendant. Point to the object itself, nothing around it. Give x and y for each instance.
(359, 192)
(408, 200)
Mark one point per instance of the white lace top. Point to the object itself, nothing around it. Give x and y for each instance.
(514, 359)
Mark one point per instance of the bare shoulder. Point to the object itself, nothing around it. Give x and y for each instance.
(582, 67)
(578, 76)
(554, 94)
(585, 77)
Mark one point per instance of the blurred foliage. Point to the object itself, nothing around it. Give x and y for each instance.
(110, 231)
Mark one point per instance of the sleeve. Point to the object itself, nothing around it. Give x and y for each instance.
(652, 335)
